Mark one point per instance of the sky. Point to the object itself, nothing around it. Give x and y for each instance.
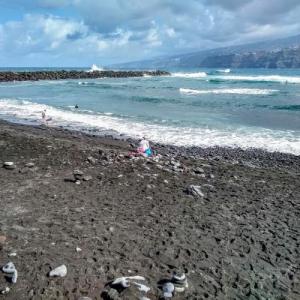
(78, 33)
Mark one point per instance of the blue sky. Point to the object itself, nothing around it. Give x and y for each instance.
(83, 32)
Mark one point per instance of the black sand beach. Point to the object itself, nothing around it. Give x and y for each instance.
(237, 239)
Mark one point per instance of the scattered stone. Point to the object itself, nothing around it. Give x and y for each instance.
(60, 271)
(5, 290)
(30, 165)
(78, 249)
(11, 272)
(78, 182)
(195, 190)
(168, 290)
(87, 178)
(212, 176)
(198, 170)
(91, 160)
(9, 165)
(78, 174)
(12, 254)
(166, 181)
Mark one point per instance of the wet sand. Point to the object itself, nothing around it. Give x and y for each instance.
(239, 239)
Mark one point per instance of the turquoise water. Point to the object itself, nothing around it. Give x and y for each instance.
(207, 107)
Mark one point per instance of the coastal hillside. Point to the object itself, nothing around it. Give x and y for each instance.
(279, 53)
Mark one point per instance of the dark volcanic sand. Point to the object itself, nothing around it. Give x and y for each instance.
(239, 241)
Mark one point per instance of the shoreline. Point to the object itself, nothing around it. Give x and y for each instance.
(9, 76)
(258, 156)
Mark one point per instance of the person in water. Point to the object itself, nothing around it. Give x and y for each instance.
(44, 117)
(144, 147)
(76, 106)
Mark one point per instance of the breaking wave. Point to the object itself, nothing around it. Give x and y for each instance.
(190, 75)
(244, 137)
(228, 91)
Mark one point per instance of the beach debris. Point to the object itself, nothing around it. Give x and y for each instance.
(168, 289)
(195, 190)
(60, 271)
(5, 291)
(122, 283)
(9, 165)
(11, 272)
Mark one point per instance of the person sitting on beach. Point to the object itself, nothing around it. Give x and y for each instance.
(144, 147)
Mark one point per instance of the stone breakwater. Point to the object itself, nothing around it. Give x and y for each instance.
(56, 75)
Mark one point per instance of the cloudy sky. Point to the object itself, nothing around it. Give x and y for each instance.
(83, 32)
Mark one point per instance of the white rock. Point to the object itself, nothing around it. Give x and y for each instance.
(10, 270)
(5, 291)
(168, 289)
(8, 163)
(60, 271)
(78, 249)
(12, 254)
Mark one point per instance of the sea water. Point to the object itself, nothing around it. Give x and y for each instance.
(201, 107)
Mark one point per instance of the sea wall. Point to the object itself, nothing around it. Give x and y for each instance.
(55, 75)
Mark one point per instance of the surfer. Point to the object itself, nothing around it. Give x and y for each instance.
(76, 106)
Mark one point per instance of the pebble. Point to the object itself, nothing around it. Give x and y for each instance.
(87, 178)
(10, 270)
(9, 165)
(78, 249)
(77, 174)
(84, 298)
(30, 165)
(5, 291)
(60, 271)
(166, 181)
(77, 182)
(12, 254)
(91, 160)
(195, 190)
(168, 289)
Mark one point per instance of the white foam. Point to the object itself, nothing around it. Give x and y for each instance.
(229, 91)
(270, 78)
(95, 68)
(224, 71)
(190, 75)
(244, 137)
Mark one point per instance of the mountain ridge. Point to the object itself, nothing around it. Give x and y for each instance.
(256, 55)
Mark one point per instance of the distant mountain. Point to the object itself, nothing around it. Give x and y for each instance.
(280, 53)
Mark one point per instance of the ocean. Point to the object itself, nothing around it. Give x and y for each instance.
(246, 108)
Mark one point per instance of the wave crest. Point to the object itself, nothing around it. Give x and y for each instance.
(228, 91)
